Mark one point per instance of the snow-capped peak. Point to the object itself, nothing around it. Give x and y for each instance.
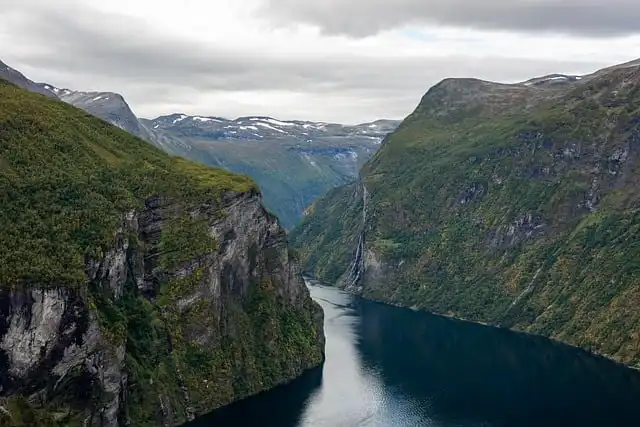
(262, 128)
(180, 118)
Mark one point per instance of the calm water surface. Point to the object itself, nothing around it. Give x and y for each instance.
(388, 366)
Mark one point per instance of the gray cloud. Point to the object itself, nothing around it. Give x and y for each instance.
(159, 74)
(366, 17)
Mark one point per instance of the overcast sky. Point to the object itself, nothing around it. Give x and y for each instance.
(332, 60)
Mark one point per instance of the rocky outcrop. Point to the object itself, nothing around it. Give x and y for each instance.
(52, 346)
(214, 322)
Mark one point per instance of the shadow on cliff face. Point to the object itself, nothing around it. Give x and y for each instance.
(282, 406)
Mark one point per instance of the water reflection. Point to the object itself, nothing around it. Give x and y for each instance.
(392, 367)
(466, 374)
(283, 406)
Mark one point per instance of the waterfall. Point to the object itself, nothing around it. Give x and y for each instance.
(358, 265)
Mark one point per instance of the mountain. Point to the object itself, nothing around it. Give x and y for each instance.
(108, 106)
(509, 204)
(293, 161)
(135, 288)
(17, 78)
(113, 108)
(259, 128)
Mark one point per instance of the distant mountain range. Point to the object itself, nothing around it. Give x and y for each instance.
(294, 162)
(259, 128)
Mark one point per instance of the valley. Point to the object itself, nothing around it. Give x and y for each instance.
(151, 269)
(293, 162)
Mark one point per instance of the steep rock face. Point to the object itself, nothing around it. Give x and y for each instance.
(135, 288)
(229, 323)
(514, 205)
(53, 351)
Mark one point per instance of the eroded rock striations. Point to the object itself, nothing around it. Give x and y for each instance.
(177, 297)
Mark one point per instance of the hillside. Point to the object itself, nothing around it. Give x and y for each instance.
(294, 162)
(135, 288)
(17, 78)
(515, 205)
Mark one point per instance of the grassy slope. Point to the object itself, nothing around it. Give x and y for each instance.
(67, 177)
(515, 209)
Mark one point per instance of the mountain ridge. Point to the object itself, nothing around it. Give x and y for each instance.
(294, 161)
(509, 204)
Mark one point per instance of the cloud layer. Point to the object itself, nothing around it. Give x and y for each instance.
(366, 17)
(229, 59)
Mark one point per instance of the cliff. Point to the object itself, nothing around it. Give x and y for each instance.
(135, 288)
(514, 205)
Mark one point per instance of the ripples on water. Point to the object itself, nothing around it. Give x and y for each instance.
(391, 367)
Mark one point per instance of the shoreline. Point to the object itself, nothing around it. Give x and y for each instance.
(314, 282)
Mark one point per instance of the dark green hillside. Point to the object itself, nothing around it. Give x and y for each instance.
(66, 178)
(516, 205)
(135, 288)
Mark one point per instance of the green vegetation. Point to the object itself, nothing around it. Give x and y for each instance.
(66, 178)
(253, 348)
(328, 235)
(512, 205)
(17, 412)
(184, 239)
(194, 338)
(291, 175)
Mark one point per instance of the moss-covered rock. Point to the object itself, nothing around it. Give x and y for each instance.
(135, 288)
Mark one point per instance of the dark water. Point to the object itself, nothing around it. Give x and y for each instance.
(388, 366)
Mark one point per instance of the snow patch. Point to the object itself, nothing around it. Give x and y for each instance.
(179, 119)
(264, 125)
(556, 78)
(205, 119)
(278, 122)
